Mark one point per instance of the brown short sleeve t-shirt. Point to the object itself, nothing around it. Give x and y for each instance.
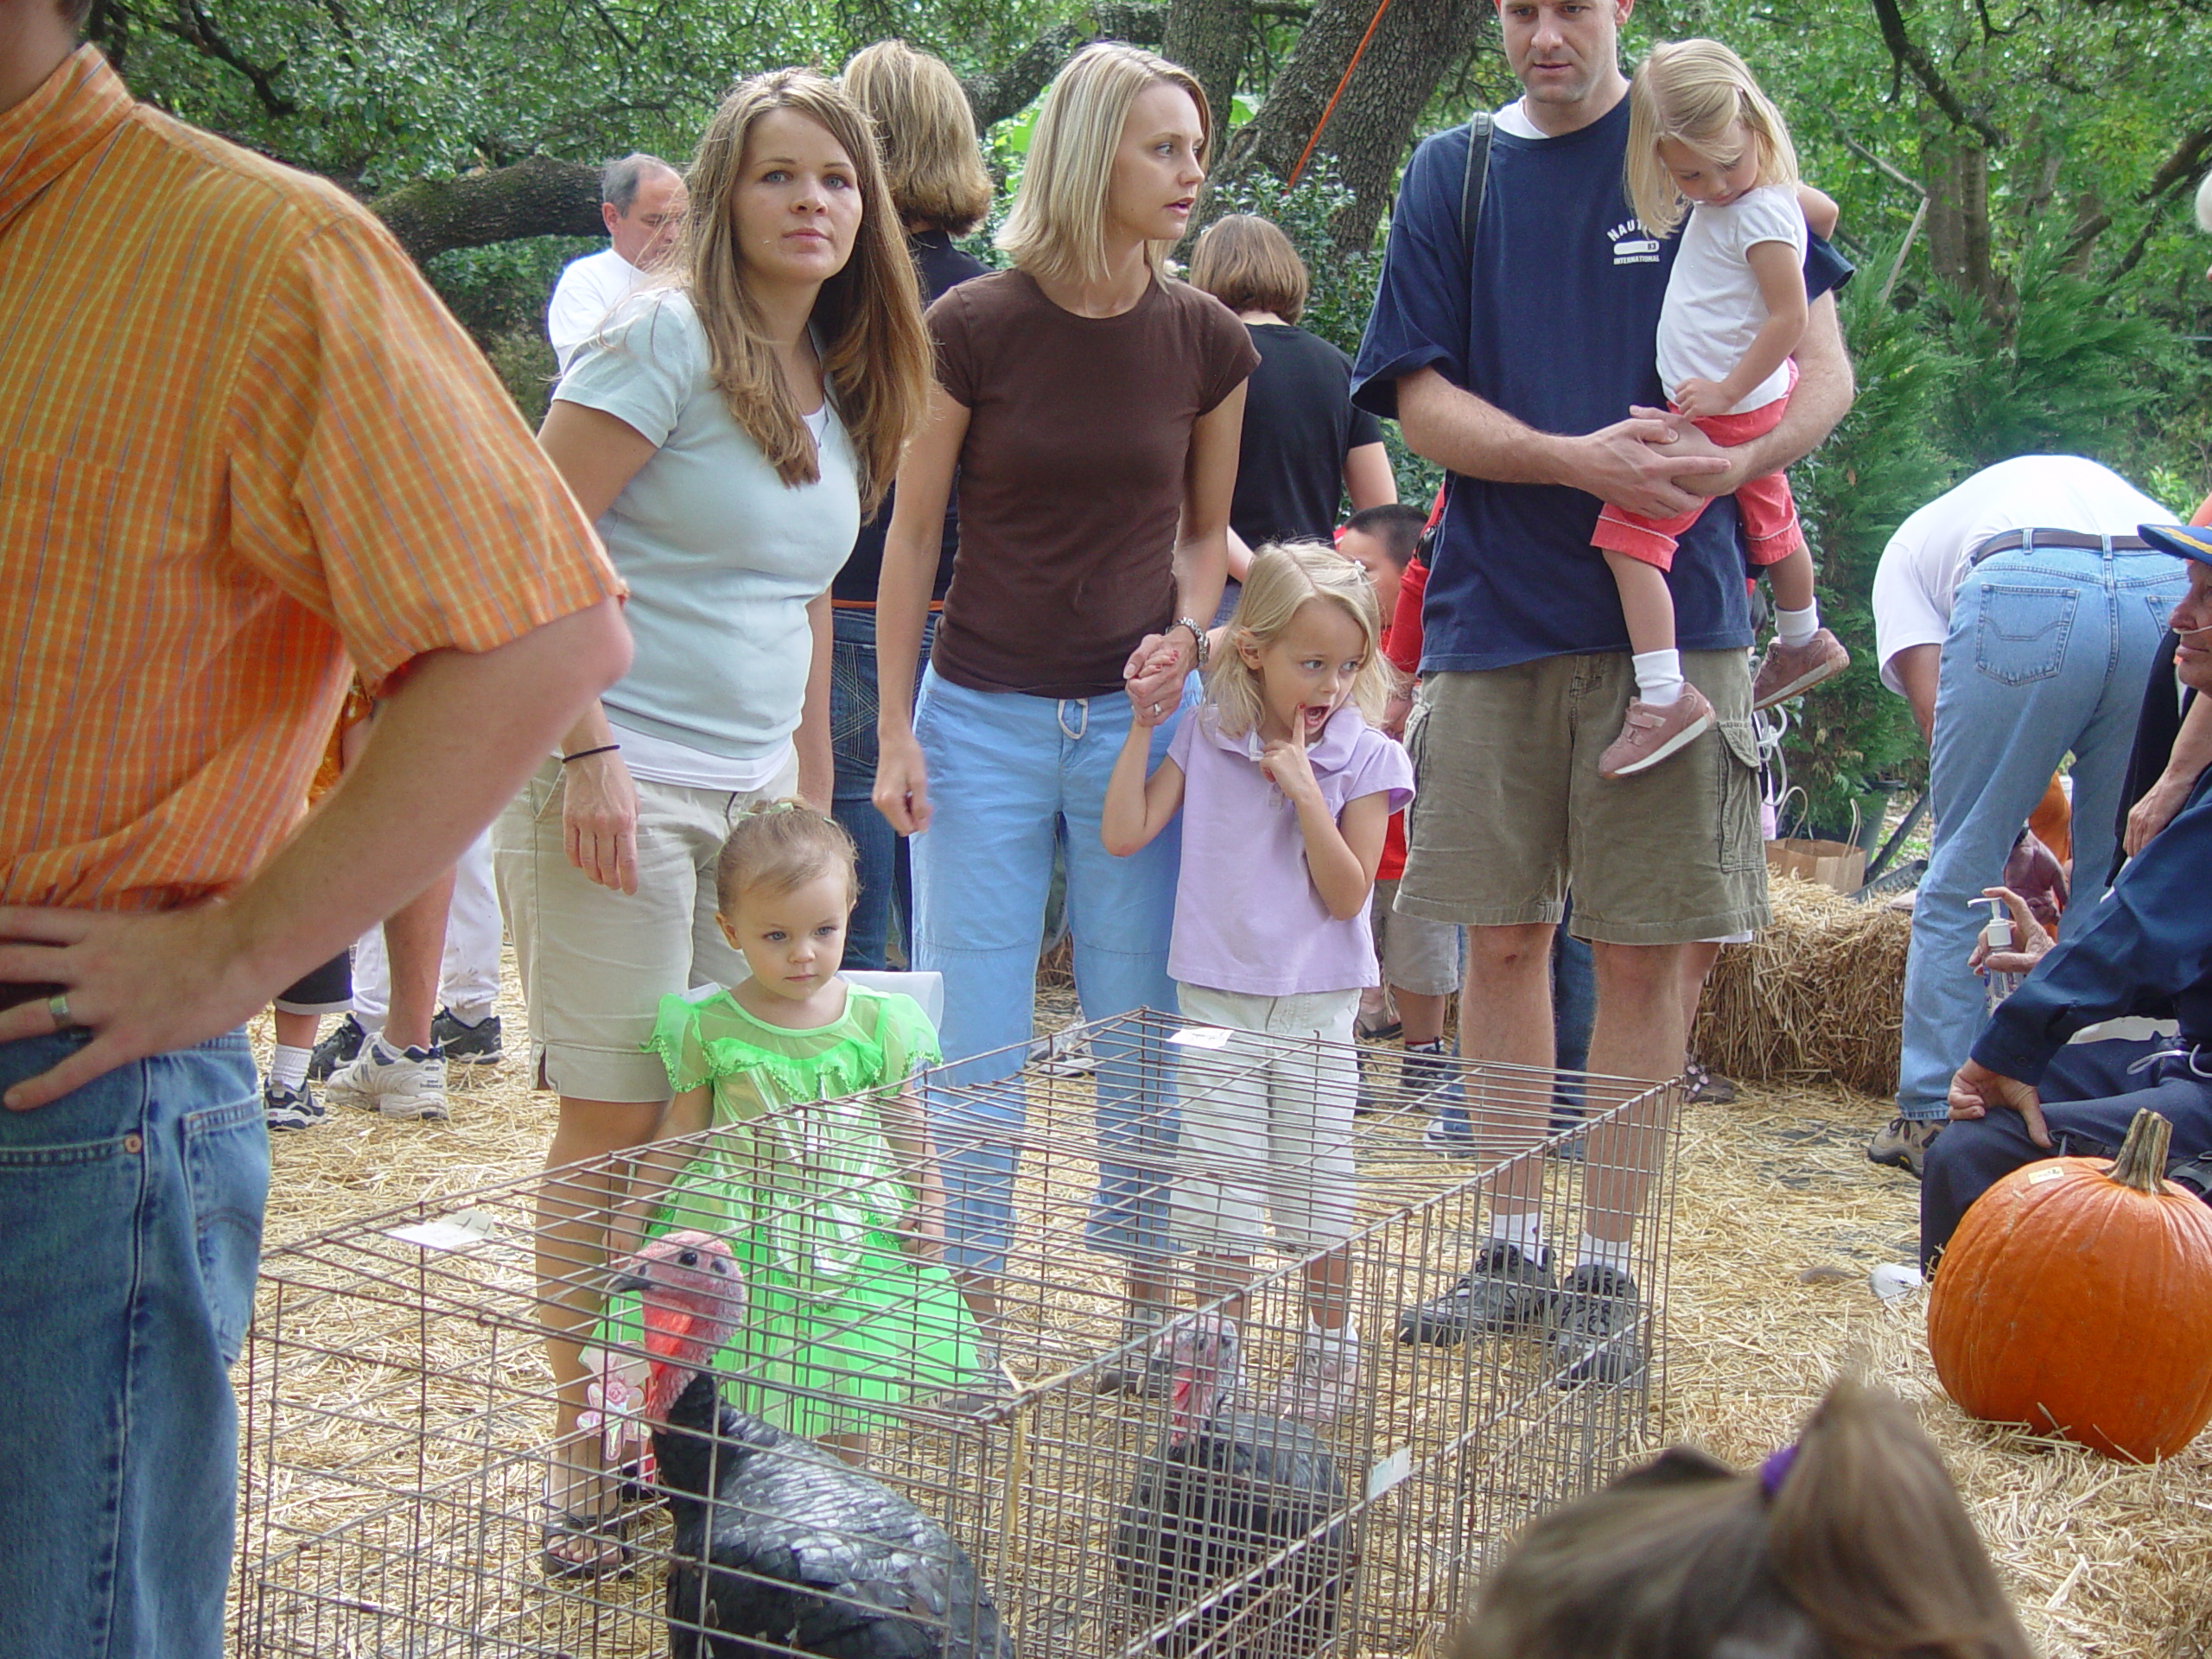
(1071, 476)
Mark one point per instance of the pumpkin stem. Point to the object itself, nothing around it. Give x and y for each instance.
(2142, 1161)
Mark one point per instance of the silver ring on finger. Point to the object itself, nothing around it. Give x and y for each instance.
(58, 1006)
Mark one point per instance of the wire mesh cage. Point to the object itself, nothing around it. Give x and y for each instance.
(1093, 1407)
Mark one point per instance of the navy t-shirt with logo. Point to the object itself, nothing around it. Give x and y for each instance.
(1556, 325)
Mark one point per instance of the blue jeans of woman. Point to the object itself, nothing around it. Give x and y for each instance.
(2048, 653)
(885, 874)
(1009, 776)
(130, 1234)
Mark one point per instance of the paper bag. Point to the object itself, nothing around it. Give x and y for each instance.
(1840, 865)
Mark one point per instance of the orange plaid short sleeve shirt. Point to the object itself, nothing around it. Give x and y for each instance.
(240, 440)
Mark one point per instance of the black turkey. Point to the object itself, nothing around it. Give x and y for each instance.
(1231, 1517)
(781, 1546)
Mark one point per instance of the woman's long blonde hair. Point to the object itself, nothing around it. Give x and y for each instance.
(875, 354)
(1693, 92)
(1285, 578)
(1056, 227)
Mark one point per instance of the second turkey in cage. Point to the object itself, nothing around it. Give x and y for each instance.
(1235, 1534)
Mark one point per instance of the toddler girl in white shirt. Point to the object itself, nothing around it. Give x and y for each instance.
(1702, 136)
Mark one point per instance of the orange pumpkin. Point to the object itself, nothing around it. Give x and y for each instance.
(2076, 1298)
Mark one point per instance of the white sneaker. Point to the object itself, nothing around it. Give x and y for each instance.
(1319, 1387)
(404, 1083)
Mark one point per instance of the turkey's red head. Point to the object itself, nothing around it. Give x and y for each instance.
(1203, 1349)
(689, 1299)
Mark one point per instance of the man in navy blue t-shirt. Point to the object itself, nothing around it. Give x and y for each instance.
(1533, 378)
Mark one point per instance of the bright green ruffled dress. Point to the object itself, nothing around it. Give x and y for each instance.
(805, 1186)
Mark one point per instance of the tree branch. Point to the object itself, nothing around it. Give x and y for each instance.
(196, 29)
(1001, 92)
(2180, 166)
(1905, 55)
(538, 196)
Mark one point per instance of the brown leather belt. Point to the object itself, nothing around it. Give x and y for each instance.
(2006, 540)
(14, 996)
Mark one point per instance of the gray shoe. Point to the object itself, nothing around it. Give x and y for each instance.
(1503, 1292)
(466, 1044)
(335, 1050)
(1903, 1143)
(1597, 1327)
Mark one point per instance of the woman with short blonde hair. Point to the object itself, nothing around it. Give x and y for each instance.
(726, 431)
(1059, 225)
(1091, 404)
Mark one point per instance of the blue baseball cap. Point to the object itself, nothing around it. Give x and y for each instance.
(2182, 540)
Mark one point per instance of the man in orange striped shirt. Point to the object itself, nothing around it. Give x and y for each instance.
(239, 441)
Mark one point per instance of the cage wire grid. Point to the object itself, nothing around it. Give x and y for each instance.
(397, 1410)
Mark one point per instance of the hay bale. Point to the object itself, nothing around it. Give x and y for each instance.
(1819, 993)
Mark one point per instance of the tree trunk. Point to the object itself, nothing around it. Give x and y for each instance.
(1209, 38)
(1413, 47)
(1957, 212)
(537, 197)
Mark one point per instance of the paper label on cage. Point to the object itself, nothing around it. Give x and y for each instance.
(1203, 1037)
(454, 1232)
(1389, 1473)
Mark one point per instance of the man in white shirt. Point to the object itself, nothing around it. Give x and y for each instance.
(2019, 613)
(642, 199)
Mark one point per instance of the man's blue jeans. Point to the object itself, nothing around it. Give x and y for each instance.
(883, 866)
(1009, 775)
(129, 1233)
(2048, 652)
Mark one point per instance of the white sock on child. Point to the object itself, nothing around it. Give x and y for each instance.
(1793, 628)
(1525, 1232)
(1658, 678)
(288, 1066)
(1614, 1253)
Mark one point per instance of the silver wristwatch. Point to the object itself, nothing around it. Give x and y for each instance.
(1198, 634)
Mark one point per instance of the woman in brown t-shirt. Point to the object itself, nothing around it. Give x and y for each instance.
(1092, 407)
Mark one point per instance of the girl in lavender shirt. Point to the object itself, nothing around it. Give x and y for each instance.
(1285, 789)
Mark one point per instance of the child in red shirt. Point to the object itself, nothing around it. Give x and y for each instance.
(1420, 958)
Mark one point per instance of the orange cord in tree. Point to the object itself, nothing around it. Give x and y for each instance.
(1330, 108)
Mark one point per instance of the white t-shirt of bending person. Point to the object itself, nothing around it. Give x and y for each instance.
(1714, 309)
(589, 289)
(1926, 560)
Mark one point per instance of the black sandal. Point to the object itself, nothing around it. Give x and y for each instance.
(567, 1525)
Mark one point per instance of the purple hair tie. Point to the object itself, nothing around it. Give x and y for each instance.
(1776, 1470)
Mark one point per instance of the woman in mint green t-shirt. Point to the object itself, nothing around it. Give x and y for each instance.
(726, 431)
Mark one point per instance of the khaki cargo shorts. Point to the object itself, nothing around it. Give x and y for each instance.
(1511, 813)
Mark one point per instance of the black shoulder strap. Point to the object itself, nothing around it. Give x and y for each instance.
(1478, 177)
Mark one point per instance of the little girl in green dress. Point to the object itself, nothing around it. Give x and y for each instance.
(823, 1179)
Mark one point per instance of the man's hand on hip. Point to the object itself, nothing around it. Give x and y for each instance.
(141, 982)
